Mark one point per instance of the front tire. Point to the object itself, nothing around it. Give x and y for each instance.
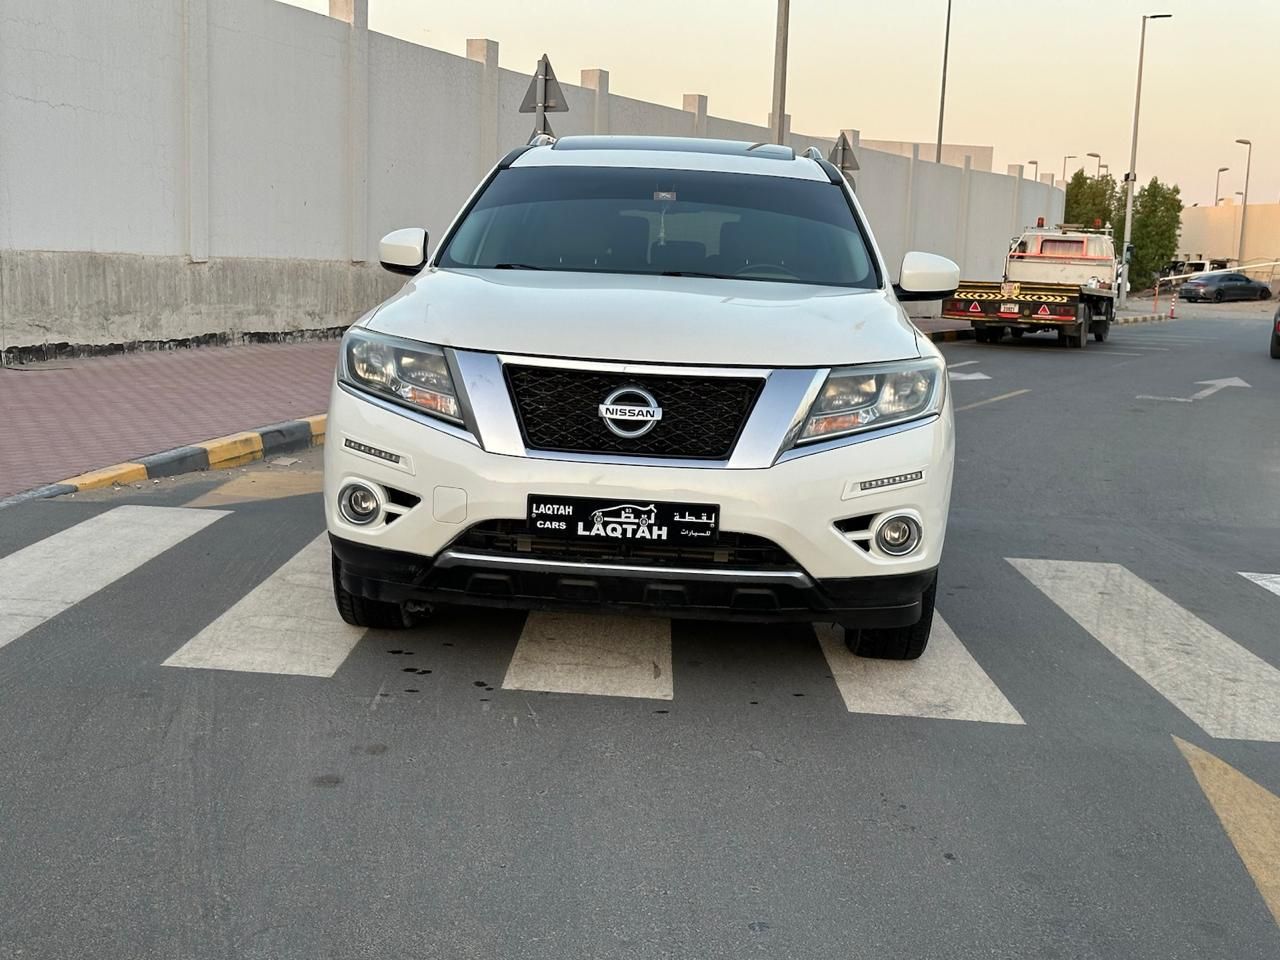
(895, 643)
(363, 612)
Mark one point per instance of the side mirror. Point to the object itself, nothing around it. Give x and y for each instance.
(404, 251)
(925, 276)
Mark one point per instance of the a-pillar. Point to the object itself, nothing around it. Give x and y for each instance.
(486, 52)
(598, 80)
(696, 104)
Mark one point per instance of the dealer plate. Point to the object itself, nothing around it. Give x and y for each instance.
(623, 521)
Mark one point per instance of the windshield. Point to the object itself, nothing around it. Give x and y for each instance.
(665, 222)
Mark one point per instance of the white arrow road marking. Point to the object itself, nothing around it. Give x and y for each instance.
(286, 624)
(1268, 581)
(1218, 684)
(1210, 388)
(1213, 386)
(592, 654)
(946, 683)
(968, 376)
(42, 580)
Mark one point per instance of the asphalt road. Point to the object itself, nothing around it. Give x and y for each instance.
(1017, 793)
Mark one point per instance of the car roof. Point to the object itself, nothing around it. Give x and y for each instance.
(673, 153)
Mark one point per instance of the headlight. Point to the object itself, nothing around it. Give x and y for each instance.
(869, 397)
(405, 371)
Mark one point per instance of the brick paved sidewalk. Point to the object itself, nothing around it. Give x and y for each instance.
(65, 417)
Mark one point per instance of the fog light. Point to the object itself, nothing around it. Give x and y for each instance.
(358, 503)
(898, 536)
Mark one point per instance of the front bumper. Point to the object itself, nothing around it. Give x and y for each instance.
(452, 487)
(461, 577)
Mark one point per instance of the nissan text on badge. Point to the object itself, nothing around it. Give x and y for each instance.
(658, 376)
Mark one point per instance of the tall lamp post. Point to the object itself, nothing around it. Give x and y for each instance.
(1069, 156)
(1244, 203)
(1217, 185)
(1036, 174)
(942, 100)
(780, 72)
(1104, 168)
(1098, 157)
(1131, 177)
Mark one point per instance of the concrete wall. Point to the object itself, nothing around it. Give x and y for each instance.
(1214, 232)
(980, 158)
(186, 168)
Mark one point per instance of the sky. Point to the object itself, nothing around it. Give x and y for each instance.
(1035, 79)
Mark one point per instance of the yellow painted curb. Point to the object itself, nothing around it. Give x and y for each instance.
(318, 424)
(233, 450)
(119, 474)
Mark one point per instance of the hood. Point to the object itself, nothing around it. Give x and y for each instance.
(598, 316)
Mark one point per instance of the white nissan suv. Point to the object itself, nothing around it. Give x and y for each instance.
(666, 376)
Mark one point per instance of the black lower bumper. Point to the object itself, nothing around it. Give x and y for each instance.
(497, 581)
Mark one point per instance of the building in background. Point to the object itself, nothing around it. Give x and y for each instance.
(1213, 233)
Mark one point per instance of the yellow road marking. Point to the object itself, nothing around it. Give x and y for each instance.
(270, 484)
(1249, 813)
(1003, 396)
(121, 473)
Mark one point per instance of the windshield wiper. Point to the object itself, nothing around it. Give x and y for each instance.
(695, 273)
(516, 266)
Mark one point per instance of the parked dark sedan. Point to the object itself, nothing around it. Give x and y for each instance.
(1275, 336)
(1223, 286)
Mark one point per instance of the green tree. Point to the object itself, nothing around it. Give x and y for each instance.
(1091, 200)
(1157, 218)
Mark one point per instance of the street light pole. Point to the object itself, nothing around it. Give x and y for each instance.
(1036, 175)
(942, 100)
(780, 71)
(1069, 156)
(1131, 177)
(1244, 203)
(1217, 185)
(1098, 157)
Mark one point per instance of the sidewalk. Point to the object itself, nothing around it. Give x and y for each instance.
(65, 417)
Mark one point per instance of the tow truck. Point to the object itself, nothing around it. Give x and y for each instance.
(1063, 278)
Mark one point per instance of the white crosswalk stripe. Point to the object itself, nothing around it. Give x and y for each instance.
(946, 683)
(1267, 581)
(287, 624)
(44, 579)
(1226, 690)
(588, 654)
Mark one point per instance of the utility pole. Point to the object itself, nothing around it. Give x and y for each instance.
(1069, 156)
(780, 72)
(942, 100)
(1217, 185)
(1131, 177)
(1244, 203)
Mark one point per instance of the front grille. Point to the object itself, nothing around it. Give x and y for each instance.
(701, 416)
(731, 551)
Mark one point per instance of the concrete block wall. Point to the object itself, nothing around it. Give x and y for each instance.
(177, 169)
